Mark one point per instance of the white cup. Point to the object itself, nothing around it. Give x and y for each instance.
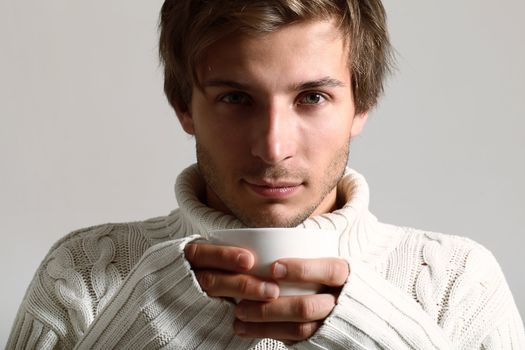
(271, 244)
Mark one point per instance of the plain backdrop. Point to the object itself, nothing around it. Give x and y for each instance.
(87, 136)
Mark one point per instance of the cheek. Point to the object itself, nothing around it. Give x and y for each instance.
(329, 133)
(224, 143)
(213, 129)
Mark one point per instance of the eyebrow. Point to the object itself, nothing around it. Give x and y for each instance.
(224, 83)
(305, 85)
(323, 82)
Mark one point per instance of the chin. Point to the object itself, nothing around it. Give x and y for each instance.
(272, 219)
(268, 222)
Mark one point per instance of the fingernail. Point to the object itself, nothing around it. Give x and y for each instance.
(244, 261)
(270, 290)
(279, 270)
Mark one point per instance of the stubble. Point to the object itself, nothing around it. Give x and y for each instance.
(259, 217)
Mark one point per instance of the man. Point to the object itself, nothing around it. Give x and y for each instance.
(273, 92)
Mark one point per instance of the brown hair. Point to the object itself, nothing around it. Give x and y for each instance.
(189, 27)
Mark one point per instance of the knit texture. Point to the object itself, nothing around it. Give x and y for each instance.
(128, 286)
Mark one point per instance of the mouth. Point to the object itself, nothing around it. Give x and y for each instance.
(274, 189)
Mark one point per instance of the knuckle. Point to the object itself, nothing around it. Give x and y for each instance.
(304, 271)
(206, 280)
(244, 285)
(306, 308)
(337, 272)
(304, 330)
(264, 312)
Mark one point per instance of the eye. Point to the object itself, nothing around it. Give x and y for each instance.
(312, 98)
(236, 98)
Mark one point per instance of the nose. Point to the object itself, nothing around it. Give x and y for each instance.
(273, 139)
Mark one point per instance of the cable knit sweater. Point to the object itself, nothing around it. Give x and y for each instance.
(128, 286)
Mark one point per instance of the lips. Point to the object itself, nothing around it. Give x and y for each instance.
(276, 190)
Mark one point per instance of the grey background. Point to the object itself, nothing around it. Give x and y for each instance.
(87, 137)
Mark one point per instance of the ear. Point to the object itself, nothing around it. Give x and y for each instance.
(358, 124)
(185, 118)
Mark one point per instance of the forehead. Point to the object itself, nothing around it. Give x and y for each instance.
(302, 50)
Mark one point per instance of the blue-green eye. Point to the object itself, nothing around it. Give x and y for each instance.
(312, 98)
(235, 98)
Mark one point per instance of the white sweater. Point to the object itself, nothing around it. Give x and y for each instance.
(128, 286)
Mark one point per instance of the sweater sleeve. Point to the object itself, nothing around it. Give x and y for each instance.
(161, 305)
(371, 313)
(158, 305)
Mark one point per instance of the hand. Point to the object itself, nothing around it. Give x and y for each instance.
(293, 318)
(222, 272)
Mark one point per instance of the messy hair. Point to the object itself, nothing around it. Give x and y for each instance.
(189, 27)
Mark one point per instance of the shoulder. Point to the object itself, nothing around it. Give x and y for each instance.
(88, 264)
(85, 246)
(120, 239)
(437, 266)
(454, 250)
(78, 276)
(84, 270)
(453, 276)
(448, 256)
(96, 250)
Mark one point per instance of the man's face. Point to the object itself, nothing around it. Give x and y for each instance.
(273, 122)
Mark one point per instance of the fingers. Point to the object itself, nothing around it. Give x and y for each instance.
(281, 331)
(239, 286)
(209, 256)
(288, 319)
(213, 266)
(332, 272)
(287, 309)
